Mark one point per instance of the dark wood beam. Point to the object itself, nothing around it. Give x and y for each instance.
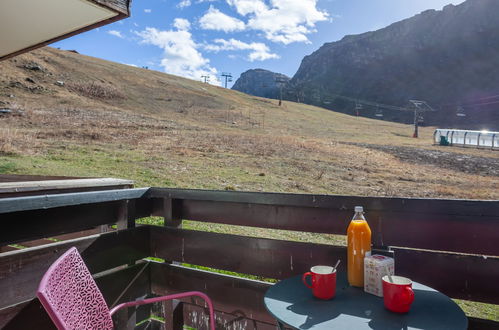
(232, 295)
(447, 225)
(17, 204)
(471, 275)
(22, 270)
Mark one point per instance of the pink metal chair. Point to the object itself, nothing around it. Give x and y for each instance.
(72, 299)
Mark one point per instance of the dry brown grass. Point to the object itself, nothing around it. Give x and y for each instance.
(14, 141)
(189, 134)
(13, 138)
(8, 137)
(95, 89)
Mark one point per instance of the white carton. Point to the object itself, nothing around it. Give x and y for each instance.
(375, 267)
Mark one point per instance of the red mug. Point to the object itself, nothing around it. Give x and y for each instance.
(397, 293)
(323, 281)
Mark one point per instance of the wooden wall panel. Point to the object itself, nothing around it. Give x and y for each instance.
(21, 271)
(417, 223)
(459, 276)
(225, 321)
(229, 294)
(55, 221)
(123, 284)
(258, 256)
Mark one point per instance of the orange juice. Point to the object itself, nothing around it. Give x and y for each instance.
(359, 243)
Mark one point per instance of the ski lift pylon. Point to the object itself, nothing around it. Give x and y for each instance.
(358, 107)
(420, 118)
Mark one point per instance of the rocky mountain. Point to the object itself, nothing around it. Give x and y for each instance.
(448, 58)
(260, 82)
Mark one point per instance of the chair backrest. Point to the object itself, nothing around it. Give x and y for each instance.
(71, 297)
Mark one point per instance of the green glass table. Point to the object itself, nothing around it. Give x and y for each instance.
(293, 305)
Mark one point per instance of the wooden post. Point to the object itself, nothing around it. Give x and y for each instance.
(174, 314)
(126, 318)
(126, 215)
(172, 212)
(173, 309)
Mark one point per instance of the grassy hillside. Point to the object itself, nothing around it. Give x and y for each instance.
(110, 119)
(113, 120)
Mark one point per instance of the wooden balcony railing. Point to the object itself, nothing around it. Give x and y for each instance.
(35, 185)
(450, 245)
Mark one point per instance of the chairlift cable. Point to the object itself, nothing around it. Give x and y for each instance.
(480, 104)
(472, 102)
(488, 97)
(375, 104)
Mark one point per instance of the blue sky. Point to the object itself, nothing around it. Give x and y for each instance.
(192, 38)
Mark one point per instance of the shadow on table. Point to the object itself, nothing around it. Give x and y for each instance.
(345, 317)
(430, 310)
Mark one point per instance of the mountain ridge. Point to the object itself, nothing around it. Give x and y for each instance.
(447, 57)
(260, 82)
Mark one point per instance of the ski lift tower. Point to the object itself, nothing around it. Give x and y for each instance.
(227, 76)
(358, 107)
(419, 107)
(280, 82)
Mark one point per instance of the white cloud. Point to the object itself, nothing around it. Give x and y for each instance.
(147, 11)
(283, 21)
(180, 54)
(184, 3)
(135, 66)
(116, 33)
(182, 24)
(258, 51)
(214, 19)
(245, 7)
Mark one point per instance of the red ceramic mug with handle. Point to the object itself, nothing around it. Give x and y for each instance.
(323, 280)
(397, 293)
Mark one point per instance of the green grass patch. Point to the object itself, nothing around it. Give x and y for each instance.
(226, 272)
(17, 246)
(479, 310)
(7, 167)
(153, 221)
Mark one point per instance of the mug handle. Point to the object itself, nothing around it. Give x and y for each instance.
(408, 295)
(304, 279)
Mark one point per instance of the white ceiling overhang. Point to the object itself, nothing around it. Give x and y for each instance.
(29, 24)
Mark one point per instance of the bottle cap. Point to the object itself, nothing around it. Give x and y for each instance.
(359, 209)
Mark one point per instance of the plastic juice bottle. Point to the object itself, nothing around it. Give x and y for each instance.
(359, 243)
